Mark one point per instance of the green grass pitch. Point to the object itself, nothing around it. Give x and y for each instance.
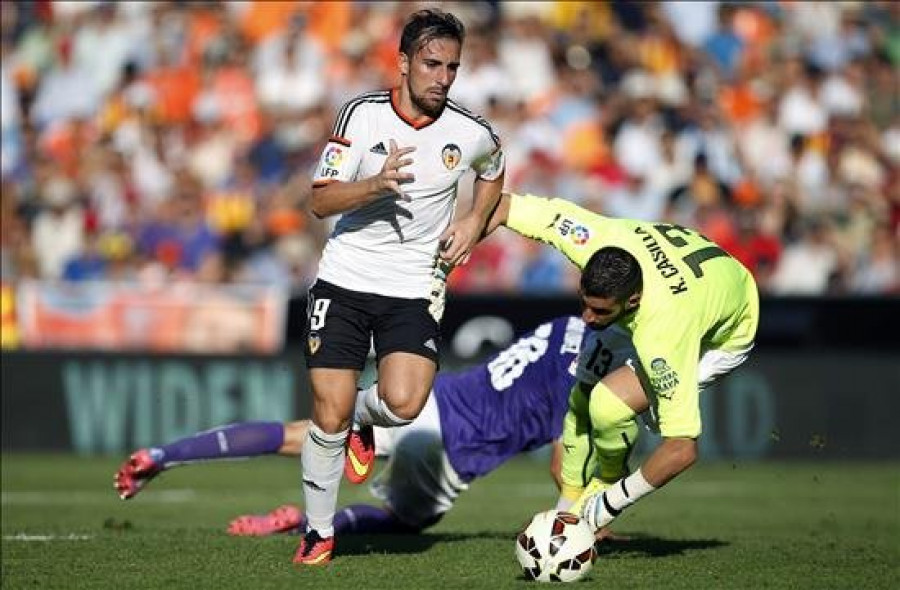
(722, 525)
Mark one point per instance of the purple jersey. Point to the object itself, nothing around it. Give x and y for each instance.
(514, 403)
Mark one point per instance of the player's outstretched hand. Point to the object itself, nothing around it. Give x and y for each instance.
(459, 238)
(390, 178)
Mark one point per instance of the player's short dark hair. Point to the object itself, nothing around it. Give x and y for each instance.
(425, 25)
(612, 272)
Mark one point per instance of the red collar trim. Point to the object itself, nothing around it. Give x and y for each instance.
(395, 104)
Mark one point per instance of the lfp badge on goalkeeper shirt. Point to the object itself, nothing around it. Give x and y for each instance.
(577, 233)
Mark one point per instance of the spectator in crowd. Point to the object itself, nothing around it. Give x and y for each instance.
(58, 229)
(10, 115)
(635, 199)
(794, 107)
(879, 270)
(66, 91)
(725, 46)
(809, 265)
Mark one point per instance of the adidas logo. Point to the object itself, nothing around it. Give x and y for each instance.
(379, 148)
(430, 345)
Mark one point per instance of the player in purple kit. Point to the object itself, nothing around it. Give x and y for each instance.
(475, 421)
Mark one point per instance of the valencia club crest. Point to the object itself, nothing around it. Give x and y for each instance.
(314, 342)
(451, 155)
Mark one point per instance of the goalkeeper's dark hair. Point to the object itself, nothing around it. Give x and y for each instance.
(425, 25)
(612, 272)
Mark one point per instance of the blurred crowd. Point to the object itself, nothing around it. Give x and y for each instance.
(174, 141)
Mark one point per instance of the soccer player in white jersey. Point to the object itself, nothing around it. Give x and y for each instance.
(521, 393)
(391, 170)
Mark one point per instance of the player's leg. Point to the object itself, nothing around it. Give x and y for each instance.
(322, 459)
(406, 338)
(354, 519)
(368, 413)
(289, 518)
(362, 443)
(400, 378)
(284, 518)
(294, 437)
(232, 441)
(404, 382)
(408, 462)
(612, 408)
(418, 485)
(579, 461)
(615, 403)
(338, 341)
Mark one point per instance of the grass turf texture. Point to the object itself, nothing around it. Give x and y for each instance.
(722, 525)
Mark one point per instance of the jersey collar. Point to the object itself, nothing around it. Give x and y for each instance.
(395, 104)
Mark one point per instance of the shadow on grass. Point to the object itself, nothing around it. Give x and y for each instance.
(408, 544)
(648, 546)
(635, 546)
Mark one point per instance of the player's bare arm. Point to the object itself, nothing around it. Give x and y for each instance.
(556, 455)
(499, 215)
(462, 234)
(671, 457)
(337, 197)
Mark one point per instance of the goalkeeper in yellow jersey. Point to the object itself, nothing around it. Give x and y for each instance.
(692, 311)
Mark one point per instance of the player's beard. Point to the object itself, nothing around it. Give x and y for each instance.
(428, 107)
(598, 327)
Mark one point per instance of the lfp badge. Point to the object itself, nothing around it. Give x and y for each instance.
(580, 235)
(334, 156)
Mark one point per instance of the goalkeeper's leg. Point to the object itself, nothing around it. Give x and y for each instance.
(615, 432)
(579, 461)
(613, 435)
(613, 415)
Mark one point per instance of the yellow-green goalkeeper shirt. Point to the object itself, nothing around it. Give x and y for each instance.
(696, 297)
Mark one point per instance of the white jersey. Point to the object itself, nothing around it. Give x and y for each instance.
(388, 246)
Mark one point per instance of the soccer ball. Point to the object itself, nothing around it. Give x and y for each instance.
(556, 546)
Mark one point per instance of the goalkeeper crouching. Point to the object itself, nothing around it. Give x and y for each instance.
(692, 312)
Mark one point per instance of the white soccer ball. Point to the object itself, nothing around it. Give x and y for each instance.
(556, 546)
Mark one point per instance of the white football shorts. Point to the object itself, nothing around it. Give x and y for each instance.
(418, 484)
(718, 363)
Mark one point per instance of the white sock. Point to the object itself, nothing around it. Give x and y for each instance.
(601, 509)
(322, 459)
(563, 504)
(372, 411)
